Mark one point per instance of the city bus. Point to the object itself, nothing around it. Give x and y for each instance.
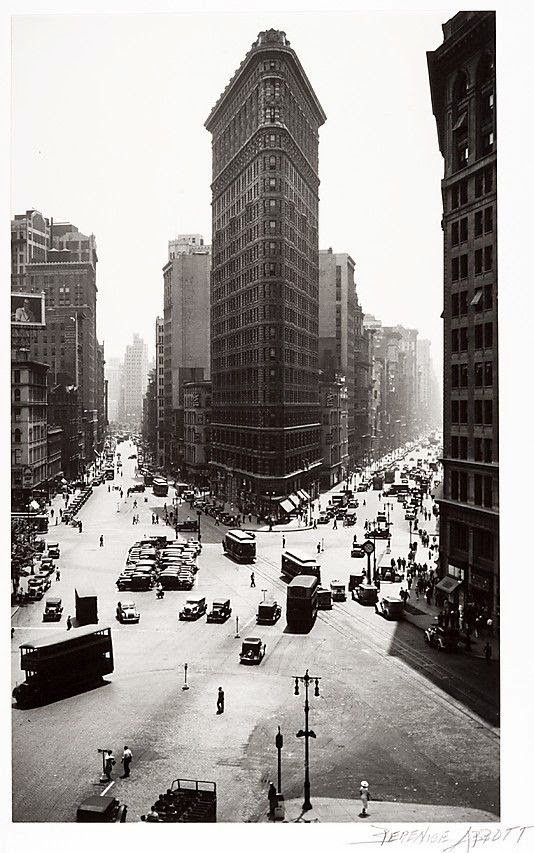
(160, 487)
(68, 659)
(37, 522)
(389, 476)
(298, 563)
(302, 602)
(240, 545)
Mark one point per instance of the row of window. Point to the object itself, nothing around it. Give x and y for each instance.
(270, 397)
(482, 300)
(483, 224)
(483, 263)
(482, 448)
(483, 375)
(483, 540)
(482, 412)
(480, 184)
(471, 488)
(483, 337)
(266, 441)
(267, 418)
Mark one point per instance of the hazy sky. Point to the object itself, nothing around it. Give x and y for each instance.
(107, 132)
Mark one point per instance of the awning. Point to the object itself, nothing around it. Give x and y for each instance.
(303, 495)
(294, 499)
(460, 121)
(287, 506)
(448, 584)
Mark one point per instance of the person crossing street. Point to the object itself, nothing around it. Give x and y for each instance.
(126, 761)
(252, 579)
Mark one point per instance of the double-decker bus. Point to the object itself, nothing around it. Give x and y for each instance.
(302, 602)
(76, 658)
(240, 545)
(389, 476)
(160, 487)
(299, 563)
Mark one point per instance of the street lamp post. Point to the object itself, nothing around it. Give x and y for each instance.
(198, 525)
(410, 523)
(306, 733)
(279, 742)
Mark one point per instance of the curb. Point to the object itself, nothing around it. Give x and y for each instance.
(14, 610)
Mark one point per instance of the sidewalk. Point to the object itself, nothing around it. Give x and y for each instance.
(329, 810)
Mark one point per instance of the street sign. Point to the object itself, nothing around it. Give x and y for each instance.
(368, 547)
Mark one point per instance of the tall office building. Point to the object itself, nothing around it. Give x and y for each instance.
(186, 335)
(114, 372)
(337, 316)
(160, 391)
(135, 380)
(265, 432)
(462, 83)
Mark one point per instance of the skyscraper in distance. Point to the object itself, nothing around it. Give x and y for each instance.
(265, 429)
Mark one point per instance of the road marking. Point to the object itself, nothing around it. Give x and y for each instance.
(107, 789)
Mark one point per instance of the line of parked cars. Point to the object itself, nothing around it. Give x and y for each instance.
(77, 503)
(156, 561)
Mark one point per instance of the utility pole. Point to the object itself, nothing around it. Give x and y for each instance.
(306, 733)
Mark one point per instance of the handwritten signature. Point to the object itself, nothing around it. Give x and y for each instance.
(465, 842)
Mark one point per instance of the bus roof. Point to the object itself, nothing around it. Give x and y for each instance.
(45, 640)
(300, 555)
(241, 534)
(85, 591)
(304, 581)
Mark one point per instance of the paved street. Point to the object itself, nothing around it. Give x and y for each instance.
(419, 725)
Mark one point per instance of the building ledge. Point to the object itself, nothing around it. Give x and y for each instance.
(479, 510)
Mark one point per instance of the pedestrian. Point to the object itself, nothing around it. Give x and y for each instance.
(364, 502)
(133, 519)
(58, 575)
(365, 797)
(250, 518)
(80, 527)
(220, 701)
(101, 540)
(56, 520)
(428, 594)
(252, 579)
(52, 512)
(318, 547)
(487, 653)
(109, 488)
(126, 761)
(109, 763)
(135, 504)
(273, 799)
(315, 524)
(283, 541)
(334, 526)
(69, 623)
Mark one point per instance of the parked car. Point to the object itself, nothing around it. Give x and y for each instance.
(127, 612)
(99, 809)
(53, 550)
(268, 613)
(324, 599)
(193, 608)
(124, 581)
(220, 610)
(365, 594)
(53, 610)
(444, 639)
(36, 589)
(252, 650)
(383, 533)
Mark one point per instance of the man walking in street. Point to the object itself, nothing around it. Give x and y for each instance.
(364, 796)
(487, 653)
(283, 541)
(220, 701)
(272, 797)
(252, 579)
(101, 540)
(126, 761)
(109, 763)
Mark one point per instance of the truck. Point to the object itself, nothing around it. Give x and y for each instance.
(86, 603)
(189, 801)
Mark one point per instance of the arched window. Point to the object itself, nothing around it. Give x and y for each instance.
(17, 436)
(485, 95)
(16, 394)
(460, 122)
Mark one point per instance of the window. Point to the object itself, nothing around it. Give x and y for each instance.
(455, 267)
(455, 412)
(488, 335)
(459, 536)
(272, 183)
(478, 411)
(478, 261)
(477, 298)
(463, 192)
(463, 375)
(478, 335)
(463, 411)
(478, 490)
(272, 161)
(463, 266)
(463, 485)
(488, 492)
(454, 446)
(488, 374)
(272, 224)
(488, 220)
(488, 296)
(455, 233)
(479, 184)
(17, 436)
(483, 544)
(454, 375)
(463, 301)
(16, 394)
(488, 258)
(454, 486)
(455, 305)
(16, 376)
(463, 447)
(455, 340)
(463, 229)
(479, 374)
(455, 197)
(463, 339)
(488, 412)
(478, 450)
(488, 450)
(478, 223)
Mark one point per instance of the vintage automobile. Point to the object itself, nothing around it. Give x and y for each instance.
(132, 456)
(338, 590)
(46, 566)
(410, 516)
(220, 610)
(357, 549)
(53, 550)
(382, 533)
(127, 612)
(324, 518)
(362, 487)
(193, 608)
(36, 588)
(381, 518)
(353, 504)
(252, 650)
(390, 573)
(365, 594)
(142, 580)
(355, 579)
(390, 607)
(324, 599)
(268, 613)
(124, 581)
(138, 487)
(444, 639)
(188, 524)
(53, 610)
(99, 809)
